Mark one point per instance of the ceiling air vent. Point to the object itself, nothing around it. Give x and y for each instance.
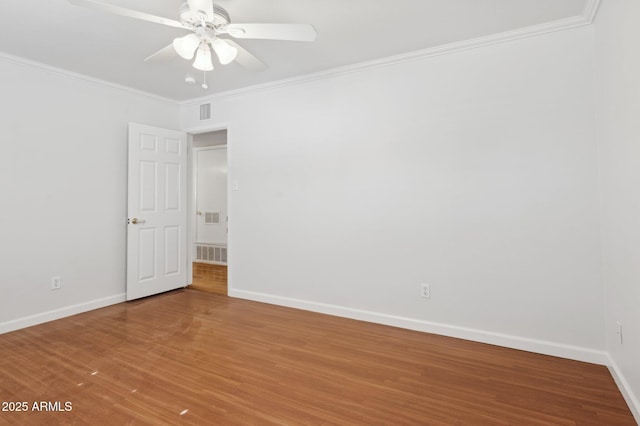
(205, 111)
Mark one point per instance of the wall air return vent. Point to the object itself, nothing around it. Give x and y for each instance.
(212, 218)
(205, 111)
(211, 253)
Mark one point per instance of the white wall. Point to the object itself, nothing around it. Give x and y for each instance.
(63, 174)
(211, 194)
(617, 34)
(474, 171)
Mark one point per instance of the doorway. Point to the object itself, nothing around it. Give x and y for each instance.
(210, 212)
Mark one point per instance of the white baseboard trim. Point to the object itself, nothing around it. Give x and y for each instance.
(514, 342)
(17, 324)
(625, 389)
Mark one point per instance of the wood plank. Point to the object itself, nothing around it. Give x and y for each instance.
(229, 361)
(209, 278)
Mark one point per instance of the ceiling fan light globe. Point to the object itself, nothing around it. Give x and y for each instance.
(186, 46)
(203, 58)
(225, 52)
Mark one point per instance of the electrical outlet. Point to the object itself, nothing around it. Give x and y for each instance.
(619, 331)
(55, 283)
(425, 290)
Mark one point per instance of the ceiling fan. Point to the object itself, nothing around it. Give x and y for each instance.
(209, 26)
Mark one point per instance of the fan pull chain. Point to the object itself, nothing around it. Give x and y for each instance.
(204, 83)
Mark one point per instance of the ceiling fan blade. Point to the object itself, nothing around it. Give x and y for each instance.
(205, 6)
(130, 13)
(246, 59)
(291, 32)
(162, 55)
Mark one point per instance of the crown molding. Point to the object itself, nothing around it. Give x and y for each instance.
(586, 18)
(5, 57)
(590, 10)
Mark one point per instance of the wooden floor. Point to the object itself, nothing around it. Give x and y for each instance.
(209, 278)
(200, 358)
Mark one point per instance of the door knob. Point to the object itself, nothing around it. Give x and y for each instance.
(136, 221)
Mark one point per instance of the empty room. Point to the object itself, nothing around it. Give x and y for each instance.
(244, 212)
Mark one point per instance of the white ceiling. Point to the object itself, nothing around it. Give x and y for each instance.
(112, 48)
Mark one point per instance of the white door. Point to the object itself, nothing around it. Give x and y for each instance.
(211, 196)
(157, 211)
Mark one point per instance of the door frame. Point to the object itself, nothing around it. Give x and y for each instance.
(194, 160)
(191, 200)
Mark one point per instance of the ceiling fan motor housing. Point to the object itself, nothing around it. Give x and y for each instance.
(199, 18)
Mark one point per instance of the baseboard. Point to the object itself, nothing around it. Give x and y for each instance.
(625, 389)
(515, 342)
(24, 322)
